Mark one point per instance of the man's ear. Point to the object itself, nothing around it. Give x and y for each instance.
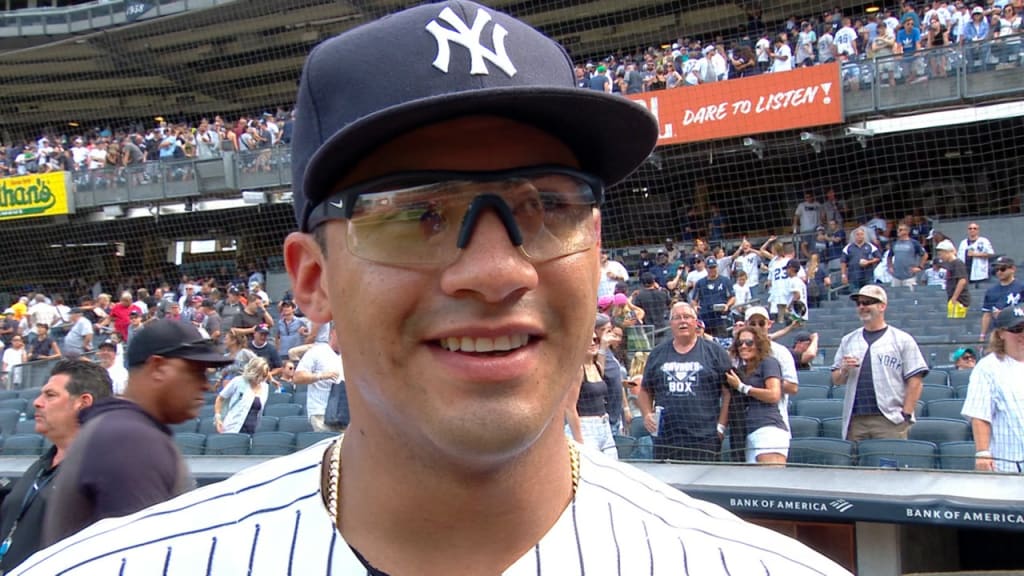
(84, 400)
(306, 267)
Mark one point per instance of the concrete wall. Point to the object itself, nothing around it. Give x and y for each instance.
(1005, 233)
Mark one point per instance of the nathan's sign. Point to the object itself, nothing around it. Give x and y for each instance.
(765, 103)
(35, 195)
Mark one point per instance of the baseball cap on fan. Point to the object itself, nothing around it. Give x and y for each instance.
(460, 59)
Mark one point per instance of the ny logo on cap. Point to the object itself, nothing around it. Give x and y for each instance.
(469, 38)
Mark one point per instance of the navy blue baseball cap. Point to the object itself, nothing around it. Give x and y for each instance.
(458, 58)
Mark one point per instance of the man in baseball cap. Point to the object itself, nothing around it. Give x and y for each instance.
(1007, 292)
(448, 208)
(998, 425)
(125, 441)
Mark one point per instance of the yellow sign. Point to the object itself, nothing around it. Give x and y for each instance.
(36, 195)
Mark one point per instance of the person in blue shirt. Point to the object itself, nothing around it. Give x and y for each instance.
(1006, 294)
(909, 38)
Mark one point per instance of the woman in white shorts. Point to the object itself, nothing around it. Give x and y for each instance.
(756, 381)
(586, 413)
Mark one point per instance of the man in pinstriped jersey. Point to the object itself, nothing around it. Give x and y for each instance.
(451, 229)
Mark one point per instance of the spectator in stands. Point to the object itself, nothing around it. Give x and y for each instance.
(212, 324)
(819, 282)
(757, 378)
(167, 365)
(73, 386)
(120, 313)
(589, 405)
(14, 354)
(936, 274)
(807, 38)
(906, 258)
(781, 55)
(207, 142)
(713, 298)
(644, 262)
(686, 377)
(699, 272)
(763, 47)
(883, 46)
(654, 301)
(106, 354)
(230, 307)
(975, 251)
(909, 39)
(320, 368)
(965, 358)
(239, 353)
(826, 47)
(246, 397)
(254, 314)
(747, 259)
(958, 297)
(260, 345)
(612, 272)
(284, 382)
(805, 349)
(882, 369)
(756, 317)
(808, 217)
(935, 38)
(858, 260)
(136, 321)
(993, 401)
(600, 81)
(776, 282)
(78, 340)
(43, 312)
(975, 32)
(1004, 294)
(8, 327)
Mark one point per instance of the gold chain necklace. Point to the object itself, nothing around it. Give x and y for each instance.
(334, 478)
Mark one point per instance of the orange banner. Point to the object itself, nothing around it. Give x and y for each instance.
(765, 103)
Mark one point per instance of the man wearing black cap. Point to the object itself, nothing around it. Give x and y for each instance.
(1005, 294)
(713, 298)
(448, 215)
(805, 349)
(260, 344)
(124, 458)
(994, 398)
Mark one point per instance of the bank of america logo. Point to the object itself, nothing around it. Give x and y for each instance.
(840, 505)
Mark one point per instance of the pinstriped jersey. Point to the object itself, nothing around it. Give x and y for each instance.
(269, 520)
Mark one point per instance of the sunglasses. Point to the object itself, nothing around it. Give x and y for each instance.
(865, 302)
(746, 343)
(1002, 268)
(427, 218)
(966, 357)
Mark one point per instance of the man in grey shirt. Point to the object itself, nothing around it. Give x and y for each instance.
(78, 340)
(906, 258)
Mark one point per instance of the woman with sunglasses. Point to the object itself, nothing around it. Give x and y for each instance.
(587, 406)
(757, 377)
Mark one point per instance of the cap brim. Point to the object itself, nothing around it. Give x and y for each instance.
(610, 135)
(212, 358)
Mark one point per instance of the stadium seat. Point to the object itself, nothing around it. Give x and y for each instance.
(304, 440)
(9, 394)
(294, 424)
(891, 453)
(937, 377)
(25, 427)
(23, 445)
(190, 443)
(949, 408)
(207, 425)
(229, 444)
(279, 398)
(956, 455)
(282, 410)
(207, 411)
(959, 377)
(837, 392)
(820, 451)
(808, 392)
(29, 394)
(18, 404)
(210, 398)
(30, 411)
(832, 427)
(299, 397)
(625, 446)
(931, 392)
(815, 378)
(267, 424)
(272, 443)
(804, 427)
(820, 408)
(186, 426)
(939, 430)
(637, 429)
(960, 391)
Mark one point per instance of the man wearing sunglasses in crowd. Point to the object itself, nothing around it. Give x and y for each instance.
(995, 400)
(882, 368)
(1005, 294)
(449, 223)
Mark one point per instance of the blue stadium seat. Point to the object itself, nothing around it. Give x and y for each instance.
(29, 394)
(931, 392)
(8, 394)
(304, 440)
(960, 391)
(267, 424)
(815, 378)
(207, 425)
(807, 392)
(949, 408)
(938, 377)
(897, 453)
(625, 445)
(279, 398)
(18, 404)
(9, 418)
(210, 398)
(957, 455)
(228, 444)
(206, 411)
(25, 427)
(832, 427)
(294, 424)
(282, 410)
(959, 377)
(837, 392)
(190, 443)
(23, 445)
(299, 397)
(804, 427)
(191, 425)
(272, 443)
(820, 408)
(939, 430)
(820, 451)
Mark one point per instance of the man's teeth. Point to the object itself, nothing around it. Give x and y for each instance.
(499, 344)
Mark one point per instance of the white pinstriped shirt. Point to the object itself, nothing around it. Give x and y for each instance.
(269, 520)
(995, 394)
